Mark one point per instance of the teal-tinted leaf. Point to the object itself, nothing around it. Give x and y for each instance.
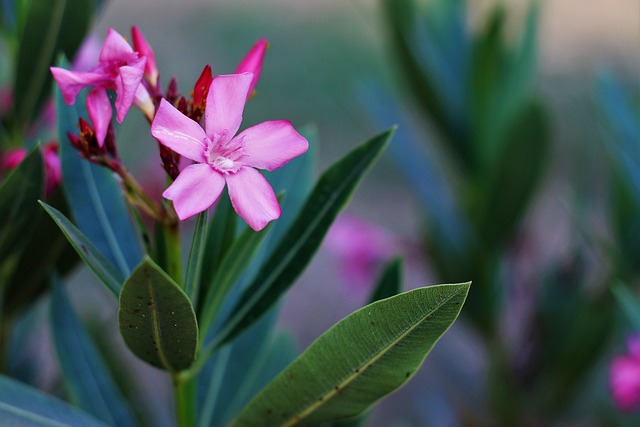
(194, 265)
(156, 319)
(364, 357)
(287, 261)
(19, 194)
(85, 373)
(629, 304)
(51, 27)
(89, 253)
(21, 405)
(390, 281)
(95, 197)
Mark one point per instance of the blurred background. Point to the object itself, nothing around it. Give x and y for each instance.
(339, 66)
(516, 165)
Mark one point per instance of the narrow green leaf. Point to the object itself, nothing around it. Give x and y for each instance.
(88, 253)
(194, 265)
(287, 261)
(157, 320)
(364, 357)
(220, 236)
(19, 194)
(232, 268)
(390, 281)
(85, 373)
(95, 196)
(21, 405)
(46, 33)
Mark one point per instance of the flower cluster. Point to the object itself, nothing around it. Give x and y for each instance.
(220, 156)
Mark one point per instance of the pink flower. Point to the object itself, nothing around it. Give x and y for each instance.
(252, 62)
(624, 377)
(119, 68)
(222, 158)
(53, 171)
(361, 248)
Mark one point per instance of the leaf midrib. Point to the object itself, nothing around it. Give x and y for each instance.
(155, 326)
(325, 398)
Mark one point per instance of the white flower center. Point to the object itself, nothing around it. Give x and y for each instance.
(225, 158)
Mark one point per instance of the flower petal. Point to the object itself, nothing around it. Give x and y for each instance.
(141, 46)
(225, 103)
(99, 108)
(252, 197)
(127, 84)
(269, 145)
(252, 62)
(116, 48)
(178, 132)
(72, 82)
(196, 188)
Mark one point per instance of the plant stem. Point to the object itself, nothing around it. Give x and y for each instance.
(184, 386)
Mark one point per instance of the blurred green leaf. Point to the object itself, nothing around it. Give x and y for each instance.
(85, 373)
(19, 193)
(287, 261)
(95, 197)
(157, 320)
(21, 405)
(89, 253)
(364, 357)
(629, 304)
(510, 187)
(51, 27)
(390, 281)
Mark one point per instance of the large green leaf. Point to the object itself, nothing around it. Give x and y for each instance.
(51, 27)
(84, 371)
(95, 196)
(91, 256)
(292, 254)
(157, 320)
(19, 194)
(23, 406)
(364, 357)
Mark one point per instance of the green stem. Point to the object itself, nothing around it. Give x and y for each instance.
(173, 252)
(184, 386)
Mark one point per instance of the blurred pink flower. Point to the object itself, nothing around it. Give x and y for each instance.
(361, 248)
(52, 169)
(223, 158)
(88, 54)
(624, 377)
(119, 68)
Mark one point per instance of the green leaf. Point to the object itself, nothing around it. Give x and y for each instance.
(390, 281)
(194, 266)
(219, 239)
(157, 320)
(85, 373)
(89, 253)
(95, 197)
(364, 357)
(231, 270)
(21, 405)
(51, 27)
(19, 194)
(292, 254)
(629, 304)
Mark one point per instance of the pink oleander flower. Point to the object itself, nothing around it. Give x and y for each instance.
(624, 377)
(52, 168)
(360, 248)
(224, 159)
(119, 68)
